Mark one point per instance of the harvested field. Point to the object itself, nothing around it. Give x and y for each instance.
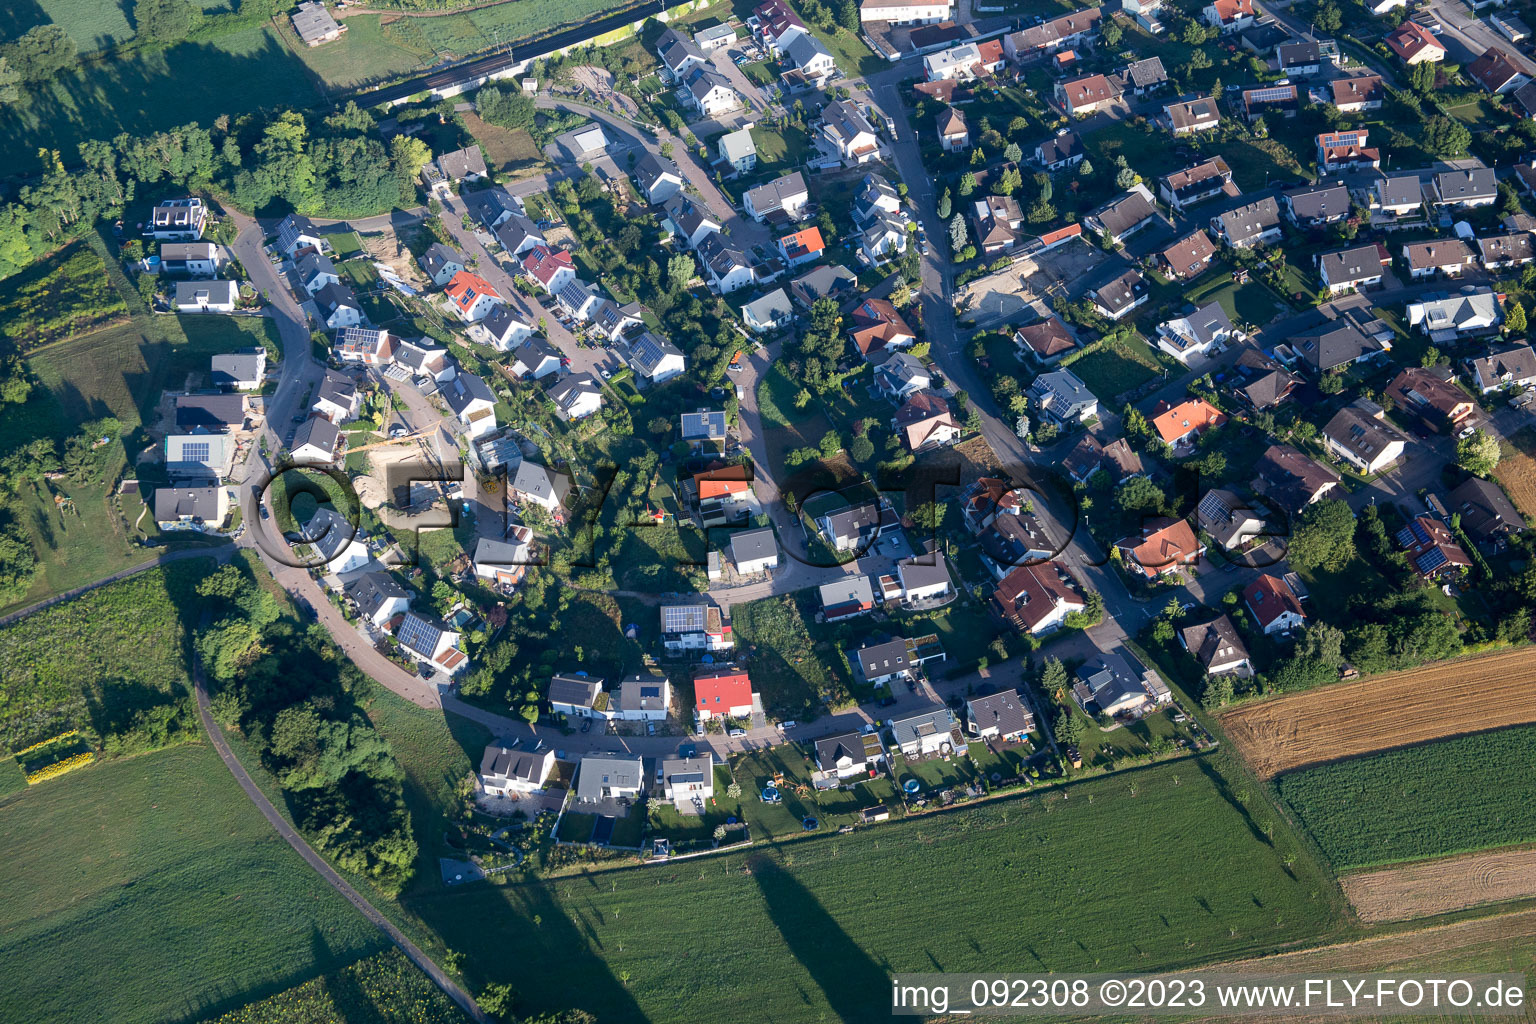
(1442, 886)
(1448, 698)
(1517, 471)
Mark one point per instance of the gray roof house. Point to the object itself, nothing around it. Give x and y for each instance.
(441, 262)
(207, 504)
(879, 662)
(1124, 215)
(755, 550)
(1350, 268)
(574, 695)
(536, 483)
(932, 732)
(243, 370)
(658, 177)
(1250, 223)
(1061, 396)
(1001, 716)
(1318, 204)
(609, 777)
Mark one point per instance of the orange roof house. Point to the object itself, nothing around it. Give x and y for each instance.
(466, 290)
(730, 481)
(1164, 545)
(1414, 44)
(802, 246)
(723, 693)
(877, 326)
(1187, 420)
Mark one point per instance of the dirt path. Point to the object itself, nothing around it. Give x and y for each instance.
(1441, 886)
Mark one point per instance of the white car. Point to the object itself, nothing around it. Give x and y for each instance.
(604, 371)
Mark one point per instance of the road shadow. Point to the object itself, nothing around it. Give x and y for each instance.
(854, 985)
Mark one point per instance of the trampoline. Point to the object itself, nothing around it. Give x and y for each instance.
(911, 785)
(810, 824)
(770, 795)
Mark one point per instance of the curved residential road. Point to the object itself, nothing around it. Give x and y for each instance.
(324, 870)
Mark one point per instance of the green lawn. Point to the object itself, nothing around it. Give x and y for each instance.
(1251, 302)
(150, 889)
(1111, 368)
(1453, 796)
(233, 74)
(816, 926)
(796, 672)
(67, 293)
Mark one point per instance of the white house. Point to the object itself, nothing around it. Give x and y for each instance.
(472, 402)
(738, 151)
(609, 777)
(337, 398)
(771, 312)
(295, 234)
(849, 133)
(430, 640)
(471, 296)
(658, 178)
(315, 442)
(576, 397)
(506, 770)
(1511, 366)
(441, 263)
(505, 328)
(577, 696)
(906, 12)
(503, 563)
(196, 259)
(1274, 604)
(338, 307)
(1355, 268)
(787, 195)
(539, 485)
(337, 541)
(709, 92)
(755, 550)
(242, 371)
(201, 508)
(655, 358)
(207, 296)
(688, 780)
(922, 580)
(537, 358)
(1195, 334)
(1360, 435)
(689, 221)
(179, 220)
(377, 596)
(928, 734)
(726, 267)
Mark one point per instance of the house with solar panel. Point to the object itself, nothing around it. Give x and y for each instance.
(705, 426)
(694, 627)
(199, 455)
(1431, 549)
(655, 358)
(472, 401)
(641, 698)
(297, 233)
(577, 695)
(431, 642)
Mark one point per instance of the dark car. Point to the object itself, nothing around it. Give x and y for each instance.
(886, 702)
(264, 513)
(586, 726)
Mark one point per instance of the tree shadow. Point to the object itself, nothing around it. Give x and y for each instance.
(853, 984)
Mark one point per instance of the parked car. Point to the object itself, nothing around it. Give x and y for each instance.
(737, 733)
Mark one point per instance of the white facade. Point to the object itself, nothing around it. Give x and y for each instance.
(905, 12)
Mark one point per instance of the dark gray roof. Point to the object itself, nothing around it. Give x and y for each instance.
(580, 691)
(708, 424)
(565, 391)
(616, 771)
(464, 389)
(1484, 509)
(1318, 202)
(1358, 264)
(503, 761)
(651, 168)
(830, 749)
(853, 521)
(910, 730)
(1333, 344)
(1250, 219)
(1461, 186)
(337, 389)
(173, 503)
(1058, 148)
(313, 264)
(231, 367)
(1142, 73)
(1214, 642)
(372, 590)
(648, 350)
(334, 296)
(752, 545)
(216, 412)
(883, 659)
(770, 197)
(1124, 212)
(1004, 712)
(1299, 53)
(1400, 190)
(503, 320)
(539, 481)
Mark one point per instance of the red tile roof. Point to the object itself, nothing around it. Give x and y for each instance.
(466, 288)
(1164, 544)
(1269, 597)
(1410, 38)
(1194, 414)
(722, 689)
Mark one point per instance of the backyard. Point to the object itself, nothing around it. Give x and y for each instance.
(1111, 367)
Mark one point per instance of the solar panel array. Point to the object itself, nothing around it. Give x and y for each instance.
(196, 451)
(418, 634)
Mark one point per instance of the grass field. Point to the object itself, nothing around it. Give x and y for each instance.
(385, 988)
(814, 927)
(1112, 368)
(1448, 698)
(1454, 796)
(68, 293)
(150, 889)
(510, 152)
(234, 74)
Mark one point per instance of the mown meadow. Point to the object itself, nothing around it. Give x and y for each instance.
(1454, 796)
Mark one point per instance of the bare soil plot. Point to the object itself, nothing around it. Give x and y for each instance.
(1006, 292)
(1517, 471)
(1441, 886)
(1448, 698)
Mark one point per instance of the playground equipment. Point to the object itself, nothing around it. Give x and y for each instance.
(911, 786)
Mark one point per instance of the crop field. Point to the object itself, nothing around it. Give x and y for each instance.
(88, 662)
(1455, 796)
(66, 294)
(381, 989)
(1442, 886)
(149, 889)
(233, 74)
(1517, 471)
(1448, 698)
(815, 926)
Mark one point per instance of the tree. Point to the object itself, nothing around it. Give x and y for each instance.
(967, 184)
(1430, 358)
(957, 234)
(679, 271)
(40, 54)
(848, 15)
(1013, 152)
(1140, 494)
(946, 205)
(861, 449)
(166, 21)
(9, 80)
(1445, 136)
(1112, 32)
(1324, 537)
(1328, 17)
(1069, 728)
(1514, 318)
(1421, 78)
(930, 515)
(1054, 680)
(498, 999)
(1125, 177)
(1323, 643)
(1478, 453)
(1085, 169)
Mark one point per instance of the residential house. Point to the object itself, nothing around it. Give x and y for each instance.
(755, 550)
(783, 198)
(1513, 366)
(539, 485)
(689, 780)
(1500, 251)
(1164, 547)
(537, 358)
(1497, 72)
(1014, 540)
(467, 164)
(1187, 117)
(518, 235)
(1349, 269)
(368, 345)
(1333, 344)
(877, 328)
(604, 777)
(1145, 13)
(1141, 77)
(1047, 341)
(1188, 257)
(315, 442)
(803, 246)
(1181, 424)
(713, 38)
(1230, 15)
(726, 268)
(1197, 333)
(1432, 393)
(906, 12)
(962, 62)
(1299, 58)
(1361, 436)
(679, 54)
(997, 221)
(1262, 37)
(689, 221)
(506, 771)
(1448, 256)
(1431, 549)
(1112, 685)
(1218, 648)
(1060, 152)
(901, 375)
(338, 307)
(821, 283)
(644, 697)
(704, 425)
(1084, 460)
(769, 313)
(614, 320)
(884, 237)
(695, 627)
(856, 526)
(1256, 222)
(203, 508)
(471, 296)
(337, 398)
(655, 359)
(1118, 296)
(471, 400)
(1262, 382)
(1274, 605)
(1510, 26)
(924, 421)
(848, 131)
(849, 754)
(503, 563)
(1346, 150)
(1267, 100)
(195, 259)
(1183, 189)
(377, 596)
(658, 178)
(179, 220)
(1357, 93)
(494, 207)
(1414, 44)
(220, 413)
(430, 641)
(1036, 599)
(505, 328)
(314, 23)
(315, 270)
(722, 693)
(1086, 95)
(846, 597)
(1062, 398)
(1124, 215)
(550, 268)
(933, 732)
(988, 498)
(1004, 717)
(576, 397)
(738, 151)
(1317, 204)
(1291, 480)
(1060, 33)
(1487, 514)
(244, 370)
(441, 263)
(294, 235)
(1401, 196)
(199, 455)
(921, 580)
(1233, 523)
(1466, 190)
(709, 92)
(954, 136)
(772, 21)
(811, 62)
(206, 296)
